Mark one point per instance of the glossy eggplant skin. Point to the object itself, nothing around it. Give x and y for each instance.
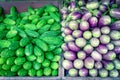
(115, 13)
(116, 25)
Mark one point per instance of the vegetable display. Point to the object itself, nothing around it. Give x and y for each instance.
(30, 42)
(91, 31)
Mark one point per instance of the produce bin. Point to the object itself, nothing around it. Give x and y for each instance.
(65, 75)
(21, 6)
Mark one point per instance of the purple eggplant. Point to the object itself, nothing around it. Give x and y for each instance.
(114, 73)
(67, 31)
(89, 63)
(73, 72)
(115, 35)
(78, 64)
(96, 56)
(108, 65)
(102, 49)
(110, 46)
(88, 48)
(64, 47)
(84, 25)
(103, 73)
(109, 56)
(117, 49)
(77, 33)
(98, 65)
(67, 64)
(87, 35)
(83, 72)
(94, 42)
(103, 8)
(92, 5)
(96, 32)
(105, 29)
(75, 15)
(93, 22)
(93, 72)
(115, 13)
(68, 38)
(81, 55)
(104, 20)
(69, 55)
(72, 46)
(73, 25)
(80, 42)
(86, 16)
(117, 64)
(116, 43)
(116, 25)
(104, 39)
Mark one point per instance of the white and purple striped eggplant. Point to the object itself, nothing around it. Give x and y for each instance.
(93, 21)
(115, 13)
(69, 55)
(73, 47)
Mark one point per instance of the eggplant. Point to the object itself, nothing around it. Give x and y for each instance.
(94, 42)
(110, 46)
(77, 33)
(104, 20)
(108, 65)
(73, 72)
(73, 25)
(109, 56)
(84, 25)
(78, 64)
(93, 72)
(72, 46)
(81, 55)
(115, 13)
(117, 64)
(96, 56)
(102, 49)
(80, 42)
(69, 55)
(68, 38)
(96, 32)
(92, 5)
(87, 34)
(98, 65)
(115, 35)
(114, 73)
(67, 31)
(93, 22)
(116, 43)
(103, 73)
(88, 48)
(75, 15)
(86, 16)
(83, 72)
(117, 49)
(102, 7)
(64, 47)
(89, 63)
(104, 39)
(105, 30)
(67, 64)
(115, 25)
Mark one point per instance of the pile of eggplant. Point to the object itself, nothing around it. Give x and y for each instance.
(91, 31)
